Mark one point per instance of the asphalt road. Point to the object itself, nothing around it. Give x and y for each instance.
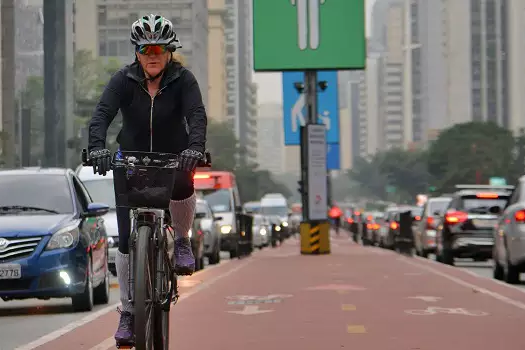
(23, 321)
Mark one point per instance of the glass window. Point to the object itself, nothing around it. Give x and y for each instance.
(44, 191)
(101, 191)
(218, 200)
(277, 210)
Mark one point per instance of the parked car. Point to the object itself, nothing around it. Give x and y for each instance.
(209, 225)
(100, 188)
(53, 241)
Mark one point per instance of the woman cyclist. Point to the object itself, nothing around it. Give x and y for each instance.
(162, 111)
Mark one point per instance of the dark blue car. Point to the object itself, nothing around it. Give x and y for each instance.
(53, 242)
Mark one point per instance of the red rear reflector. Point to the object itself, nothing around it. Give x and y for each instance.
(201, 176)
(520, 216)
(456, 217)
(487, 195)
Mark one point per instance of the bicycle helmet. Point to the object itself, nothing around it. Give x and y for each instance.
(154, 30)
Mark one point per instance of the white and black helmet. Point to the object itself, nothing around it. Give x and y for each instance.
(154, 30)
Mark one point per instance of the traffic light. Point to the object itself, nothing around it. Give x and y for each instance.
(300, 189)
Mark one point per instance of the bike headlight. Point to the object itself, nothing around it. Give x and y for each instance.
(190, 233)
(66, 237)
(225, 229)
(284, 224)
(262, 231)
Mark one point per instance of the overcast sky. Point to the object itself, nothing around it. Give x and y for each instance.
(270, 85)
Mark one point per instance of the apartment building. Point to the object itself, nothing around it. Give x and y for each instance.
(217, 94)
(242, 93)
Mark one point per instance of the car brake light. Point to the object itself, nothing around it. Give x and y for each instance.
(519, 216)
(369, 226)
(394, 225)
(430, 222)
(201, 176)
(375, 226)
(487, 195)
(350, 220)
(417, 218)
(369, 218)
(456, 217)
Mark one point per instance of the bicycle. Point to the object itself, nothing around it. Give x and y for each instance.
(147, 192)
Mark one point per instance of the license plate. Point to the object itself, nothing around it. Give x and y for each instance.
(10, 271)
(483, 223)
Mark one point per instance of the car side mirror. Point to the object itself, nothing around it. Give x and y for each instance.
(96, 209)
(238, 209)
(217, 218)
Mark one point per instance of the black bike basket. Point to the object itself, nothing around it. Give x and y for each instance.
(143, 186)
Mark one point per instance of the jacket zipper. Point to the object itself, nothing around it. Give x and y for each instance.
(151, 115)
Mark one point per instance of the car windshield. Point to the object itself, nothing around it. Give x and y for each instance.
(474, 204)
(218, 200)
(101, 191)
(278, 210)
(38, 193)
(437, 205)
(201, 209)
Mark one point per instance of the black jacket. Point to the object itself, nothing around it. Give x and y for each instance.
(151, 124)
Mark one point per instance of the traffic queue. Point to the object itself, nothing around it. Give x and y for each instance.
(477, 222)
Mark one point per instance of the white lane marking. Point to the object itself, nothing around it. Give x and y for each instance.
(72, 326)
(471, 286)
(200, 287)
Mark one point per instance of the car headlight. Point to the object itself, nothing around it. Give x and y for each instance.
(284, 224)
(277, 228)
(66, 237)
(262, 231)
(190, 233)
(226, 229)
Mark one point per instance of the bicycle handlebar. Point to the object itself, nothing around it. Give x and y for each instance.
(206, 162)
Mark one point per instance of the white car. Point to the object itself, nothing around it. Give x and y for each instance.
(261, 230)
(101, 190)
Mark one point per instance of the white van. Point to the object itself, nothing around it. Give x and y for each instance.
(275, 204)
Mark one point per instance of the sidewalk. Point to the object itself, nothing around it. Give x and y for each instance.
(356, 298)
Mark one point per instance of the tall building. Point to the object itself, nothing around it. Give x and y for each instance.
(108, 30)
(217, 95)
(242, 106)
(270, 138)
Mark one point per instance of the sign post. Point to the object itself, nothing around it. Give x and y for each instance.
(313, 36)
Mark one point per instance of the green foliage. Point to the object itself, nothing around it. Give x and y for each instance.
(253, 183)
(466, 153)
(469, 153)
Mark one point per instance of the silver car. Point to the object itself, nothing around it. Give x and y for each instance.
(261, 229)
(209, 224)
(509, 238)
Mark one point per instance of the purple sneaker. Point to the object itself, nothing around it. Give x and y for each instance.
(184, 260)
(125, 331)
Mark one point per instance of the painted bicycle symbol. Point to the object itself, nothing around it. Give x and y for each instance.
(433, 310)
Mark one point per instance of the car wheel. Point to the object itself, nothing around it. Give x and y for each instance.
(101, 292)
(84, 301)
(215, 257)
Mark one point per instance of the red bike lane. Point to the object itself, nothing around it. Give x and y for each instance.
(357, 297)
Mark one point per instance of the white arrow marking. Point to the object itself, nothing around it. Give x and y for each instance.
(426, 298)
(250, 310)
(297, 113)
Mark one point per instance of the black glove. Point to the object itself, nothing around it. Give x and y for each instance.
(189, 159)
(101, 159)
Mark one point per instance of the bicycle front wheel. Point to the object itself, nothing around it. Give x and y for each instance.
(144, 288)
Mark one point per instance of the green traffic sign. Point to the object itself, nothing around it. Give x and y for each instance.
(309, 34)
(497, 181)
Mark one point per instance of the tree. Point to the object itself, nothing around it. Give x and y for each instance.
(470, 153)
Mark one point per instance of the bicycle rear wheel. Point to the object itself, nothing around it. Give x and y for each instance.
(144, 288)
